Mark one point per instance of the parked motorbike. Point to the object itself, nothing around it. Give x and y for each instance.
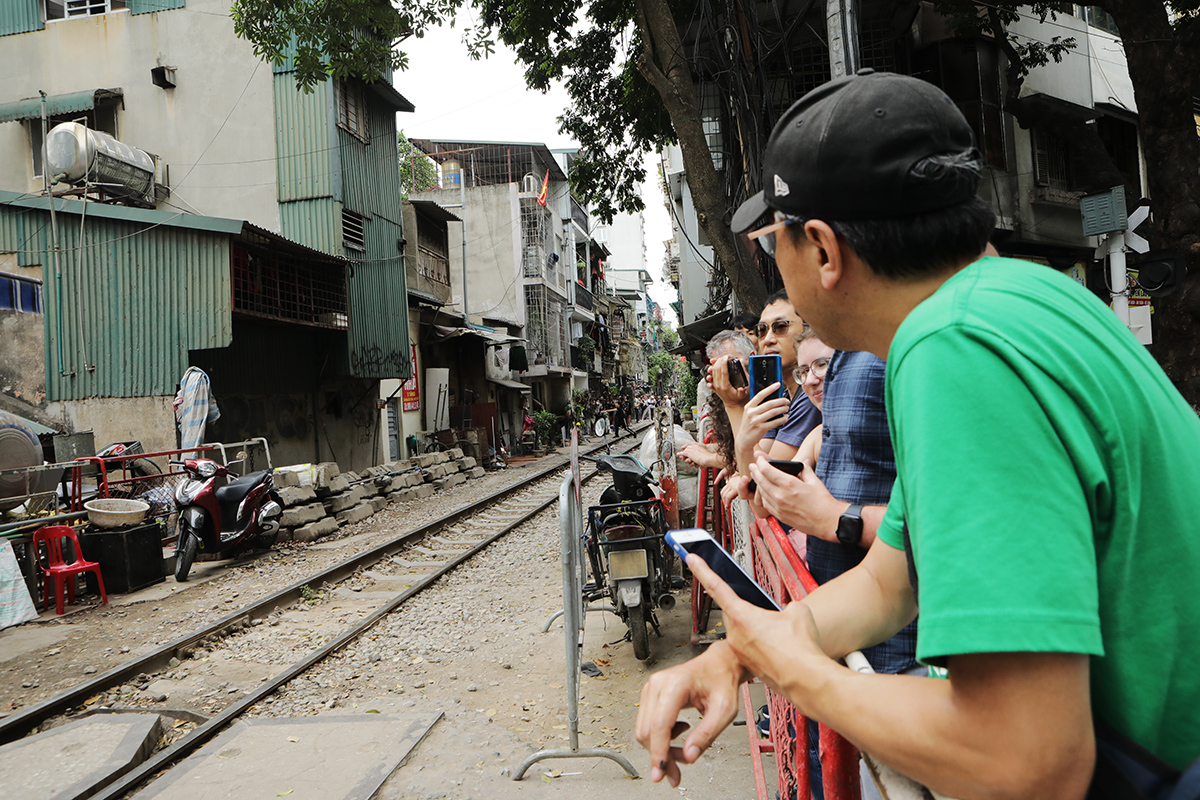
(229, 519)
(627, 554)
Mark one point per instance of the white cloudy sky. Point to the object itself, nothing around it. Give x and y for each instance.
(457, 98)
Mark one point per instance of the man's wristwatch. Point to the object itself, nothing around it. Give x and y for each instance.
(850, 526)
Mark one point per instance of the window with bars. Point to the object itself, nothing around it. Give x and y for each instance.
(1099, 18)
(710, 120)
(1052, 161)
(352, 111)
(267, 283)
(545, 327)
(536, 229)
(969, 72)
(354, 231)
(67, 9)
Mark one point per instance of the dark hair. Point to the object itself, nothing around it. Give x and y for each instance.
(722, 430)
(775, 298)
(919, 245)
(745, 320)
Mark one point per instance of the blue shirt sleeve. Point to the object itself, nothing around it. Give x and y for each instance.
(803, 416)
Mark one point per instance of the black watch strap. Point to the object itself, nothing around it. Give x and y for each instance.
(850, 525)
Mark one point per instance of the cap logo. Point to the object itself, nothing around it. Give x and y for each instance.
(781, 188)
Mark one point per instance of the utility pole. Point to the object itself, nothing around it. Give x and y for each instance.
(841, 26)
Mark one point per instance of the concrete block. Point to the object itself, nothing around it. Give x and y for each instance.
(434, 472)
(336, 485)
(427, 460)
(301, 515)
(454, 453)
(285, 535)
(423, 491)
(441, 458)
(403, 496)
(356, 514)
(347, 756)
(75, 759)
(449, 482)
(415, 478)
(324, 472)
(451, 467)
(376, 472)
(345, 500)
(378, 504)
(285, 479)
(315, 530)
(395, 483)
(476, 472)
(297, 495)
(466, 462)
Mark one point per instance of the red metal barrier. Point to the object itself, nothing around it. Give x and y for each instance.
(783, 574)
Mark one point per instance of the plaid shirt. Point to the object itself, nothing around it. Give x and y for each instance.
(857, 465)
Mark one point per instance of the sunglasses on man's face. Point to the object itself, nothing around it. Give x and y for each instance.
(765, 237)
(779, 327)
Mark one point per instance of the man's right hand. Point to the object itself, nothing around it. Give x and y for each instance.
(708, 683)
(730, 395)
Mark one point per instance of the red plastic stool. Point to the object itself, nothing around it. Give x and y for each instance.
(57, 568)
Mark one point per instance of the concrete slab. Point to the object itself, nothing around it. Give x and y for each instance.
(344, 757)
(95, 751)
(27, 638)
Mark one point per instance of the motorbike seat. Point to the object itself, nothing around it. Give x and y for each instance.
(236, 490)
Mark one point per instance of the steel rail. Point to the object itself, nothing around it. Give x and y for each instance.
(15, 726)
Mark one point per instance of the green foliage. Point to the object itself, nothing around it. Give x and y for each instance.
(418, 173)
(687, 387)
(545, 425)
(967, 20)
(343, 38)
(661, 367)
(615, 115)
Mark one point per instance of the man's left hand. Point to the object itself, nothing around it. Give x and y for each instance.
(802, 502)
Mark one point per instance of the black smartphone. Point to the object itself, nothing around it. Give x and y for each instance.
(698, 541)
(765, 370)
(737, 373)
(790, 467)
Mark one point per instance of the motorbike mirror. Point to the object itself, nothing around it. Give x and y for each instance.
(241, 455)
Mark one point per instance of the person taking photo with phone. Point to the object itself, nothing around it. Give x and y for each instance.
(1043, 516)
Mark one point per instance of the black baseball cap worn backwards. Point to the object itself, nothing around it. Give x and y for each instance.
(867, 146)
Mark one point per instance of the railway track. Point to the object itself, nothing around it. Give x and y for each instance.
(425, 554)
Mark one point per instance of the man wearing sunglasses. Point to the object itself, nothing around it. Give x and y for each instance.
(1043, 514)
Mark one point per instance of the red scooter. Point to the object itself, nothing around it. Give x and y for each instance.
(243, 513)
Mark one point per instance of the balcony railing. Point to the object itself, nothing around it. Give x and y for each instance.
(583, 298)
(433, 266)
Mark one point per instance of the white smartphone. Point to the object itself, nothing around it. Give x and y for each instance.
(700, 542)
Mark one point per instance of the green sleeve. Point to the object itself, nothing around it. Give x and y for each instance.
(891, 528)
(999, 524)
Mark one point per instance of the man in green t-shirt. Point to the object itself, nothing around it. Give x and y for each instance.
(1043, 514)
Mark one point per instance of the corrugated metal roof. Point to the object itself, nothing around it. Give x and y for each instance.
(142, 216)
(20, 16)
(435, 211)
(56, 105)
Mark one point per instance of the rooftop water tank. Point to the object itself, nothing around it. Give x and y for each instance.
(75, 153)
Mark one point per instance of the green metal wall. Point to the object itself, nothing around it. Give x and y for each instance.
(315, 223)
(148, 6)
(371, 174)
(379, 306)
(138, 299)
(303, 127)
(323, 169)
(20, 16)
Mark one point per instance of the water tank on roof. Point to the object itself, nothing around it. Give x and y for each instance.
(451, 174)
(76, 154)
